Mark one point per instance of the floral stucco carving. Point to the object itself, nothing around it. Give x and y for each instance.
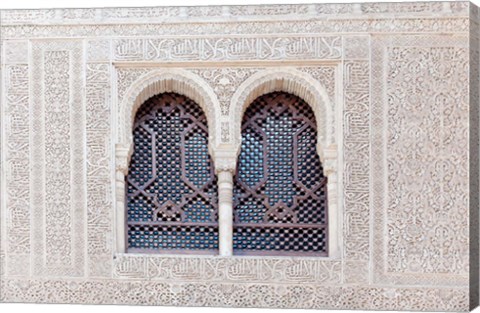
(67, 111)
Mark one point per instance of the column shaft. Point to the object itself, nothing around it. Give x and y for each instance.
(225, 213)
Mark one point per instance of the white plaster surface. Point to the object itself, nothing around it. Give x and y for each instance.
(394, 88)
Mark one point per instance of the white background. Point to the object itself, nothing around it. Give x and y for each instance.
(64, 308)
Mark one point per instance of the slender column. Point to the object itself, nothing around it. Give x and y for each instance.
(120, 212)
(121, 159)
(330, 170)
(333, 223)
(225, 212)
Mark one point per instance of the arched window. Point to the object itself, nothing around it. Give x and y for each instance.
(280, 192)
(171, 185)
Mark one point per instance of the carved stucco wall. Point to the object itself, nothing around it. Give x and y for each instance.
(389, 84)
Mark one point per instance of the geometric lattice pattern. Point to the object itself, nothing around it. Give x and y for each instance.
(280, 193)
(171, 185)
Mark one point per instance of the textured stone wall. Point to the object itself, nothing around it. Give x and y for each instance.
(394, 88)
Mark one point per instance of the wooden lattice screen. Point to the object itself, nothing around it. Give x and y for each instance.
(171, 185)
(280, 193)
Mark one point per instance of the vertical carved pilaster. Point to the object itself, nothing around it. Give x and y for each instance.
(58, 168)
(121, 169)
(330, 170)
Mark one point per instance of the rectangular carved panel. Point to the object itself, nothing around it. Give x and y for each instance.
(58, 158)
(420, 164)
(427, 215)
(99, 191)
(224, 49)
(17, 161)
(356, 158)
(251, 269)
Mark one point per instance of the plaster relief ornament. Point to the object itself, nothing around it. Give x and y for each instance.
(320, 156)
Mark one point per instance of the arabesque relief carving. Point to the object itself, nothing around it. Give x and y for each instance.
(389, 87)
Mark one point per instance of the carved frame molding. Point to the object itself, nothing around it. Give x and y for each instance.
(152, 81)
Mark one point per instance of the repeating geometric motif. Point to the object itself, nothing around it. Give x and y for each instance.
(165, 14)
(58, 159)
(421, 203)
(259, 295)
(222, 49)
(226, 269)
(186, 285)
(225, 81)
(171, 186)
(356, 160)
(17, 242)
(427, 164)
(280, 196)
(99, 190)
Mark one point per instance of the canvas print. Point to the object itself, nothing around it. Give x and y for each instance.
(317, 156)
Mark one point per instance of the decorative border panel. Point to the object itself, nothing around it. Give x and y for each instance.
(17, 163)
(258, 295)
(332, 25)
(356, 158)
(99, 176)
(229, 270)
(219, 13)
(228, 48)
(58, 158)
(66, 104)
(447, 212)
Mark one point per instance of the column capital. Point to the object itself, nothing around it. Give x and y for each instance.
(330, 160)
(122, 156)
(225, 158)
(225, 165)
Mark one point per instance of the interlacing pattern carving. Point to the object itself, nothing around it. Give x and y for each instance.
(356, 156)
(356, 161)
(424, 212)
(235, 295)
(99, 190)
(58, 175)
(18, 244)
(57, 180)
(225, 269)
(389, 81)
(225, 82)
(163, 14)
(280, 194)
(427, 216)
(325, 75)
(171, 186)
(126, 77)
(221, 49)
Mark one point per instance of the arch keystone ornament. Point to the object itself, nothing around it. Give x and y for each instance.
(393, 90)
